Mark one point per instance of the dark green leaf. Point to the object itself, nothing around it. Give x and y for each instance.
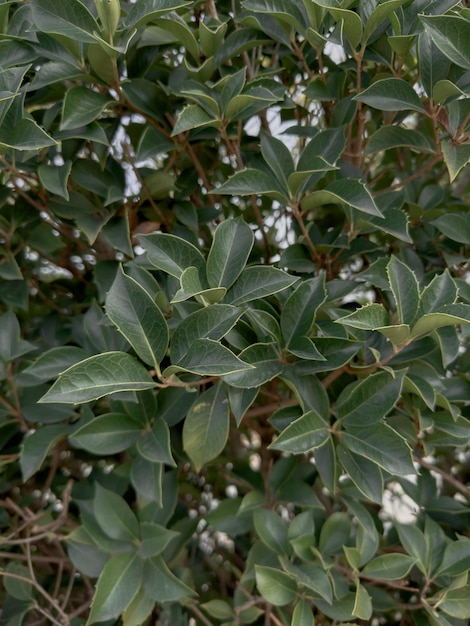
(455, 226)
(271, 530)
(37, 445)
(391, 94)
(162, 585)
(82, 106)
(258, 282)
(450, 33)
(231, 247)
(307, 432)
(155, 445)
(365, 474)
(351, 192)
(99, 376)
(114, 515)
(208, 358)
(107, 434)
(298, 313)
(71, 18)
(171, 254)
(251, 182)
(457, 603)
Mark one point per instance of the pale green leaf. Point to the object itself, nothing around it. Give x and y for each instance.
(138, 318)
(275, 586)
(389, 566)
(363, 603)
(138, 610)
(99, 376)
(455, 157)
(302, 614)
(456, 603)
(368, 317)
(377, 16)
(448, 315)
(205, 429)
(191, 287)
(456, 558)
(154, 539)
(117, 586)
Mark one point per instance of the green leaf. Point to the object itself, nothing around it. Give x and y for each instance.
(37, 445)
(275, 586)
(266, 362)
(306, 433)
(155, 445)
(191, 287)
(456, 558)
(440, 291)
(405, 290)
(82, 106)
(394, 222)
(414, 542)
(350, 21)
(456, 602)
(154, 539)
(311, 577)
(114, 516)
(391, 94)
(99, 376)
(284, 10)
(193, 116)
(455, 226)
(298, 313)
(302, 614)
(162, 585)
(138, 610)
(367, 401)
(278, 157)
(382, 445)
(205, 429)
(171, 254)
(231, 247)
(117, 586)
(107, 434)
(16, 588)
(148, 10)
(368, 317)
(363, 603)
(55, 178)
(146, 478)
(219, 609)
(207, 357)
(455, 157)
(450, 33)
(377, 16)
(388, 137)
(251, 181)
(334, 533)
(138, 318)
(26, 135)
(71, 18)
(271, 530)
(448, 315)
(365, 474)
(50, 364)
(351, 192)
(258, 282)
(389, 567)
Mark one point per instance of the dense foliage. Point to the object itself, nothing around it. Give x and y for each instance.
(234, 384)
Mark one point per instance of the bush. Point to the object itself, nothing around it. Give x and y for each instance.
(234, 377)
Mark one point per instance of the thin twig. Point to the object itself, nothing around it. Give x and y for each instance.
(445, 475)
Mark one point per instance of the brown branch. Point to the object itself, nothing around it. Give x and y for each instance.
(458, 486)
